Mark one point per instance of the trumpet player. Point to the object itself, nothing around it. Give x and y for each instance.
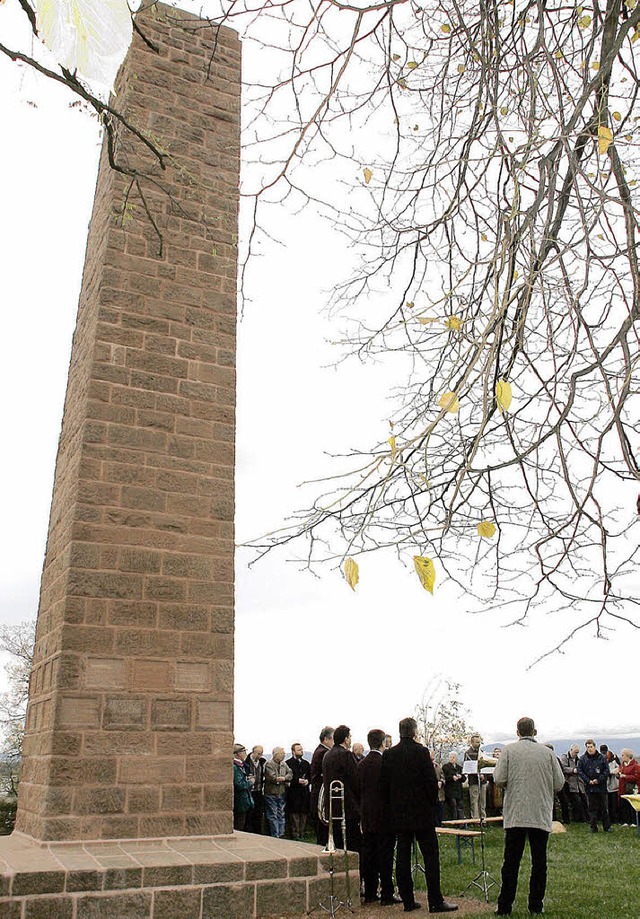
(339, 764)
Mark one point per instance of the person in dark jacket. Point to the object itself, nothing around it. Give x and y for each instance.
(593, 769)
(297, 803)
(254, 767)
(409, 800)
(339, 765)
(242, 783)
(377, 842)
(453, 782)
(326, 742)
(574, 788)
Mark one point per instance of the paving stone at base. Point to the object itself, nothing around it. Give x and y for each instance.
(49, 908)
(171, 904)
(124, 905)
(233, 877)
(274, 898)
(228, 900)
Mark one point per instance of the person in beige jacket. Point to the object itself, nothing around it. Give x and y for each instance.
(277, 778)
(530, 774)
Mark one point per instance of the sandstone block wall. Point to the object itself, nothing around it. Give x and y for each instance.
(129, 724)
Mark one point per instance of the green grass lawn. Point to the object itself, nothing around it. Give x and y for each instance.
(591, 876)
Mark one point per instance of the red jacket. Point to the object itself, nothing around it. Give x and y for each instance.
(629, 775)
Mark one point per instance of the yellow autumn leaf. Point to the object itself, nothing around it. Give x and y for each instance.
(410, 304)
(617, 116)
(605, 138)
(427, 320)
(483, 237)
(558, 55)
(449, 402)
(453, 323)
(351, 573)
(595, 65)
(486, 528)
(504, 395)
(584, 22)
(504, 110)
(396, 57)
(426, 572)
(90, 36)
(367, 175)
(392, 444)
(460, 68)
(411, 65)
(446, 28)
(425, 480)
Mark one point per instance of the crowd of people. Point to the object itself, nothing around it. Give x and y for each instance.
(394, 800)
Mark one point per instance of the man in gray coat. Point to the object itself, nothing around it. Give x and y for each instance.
(531, 775)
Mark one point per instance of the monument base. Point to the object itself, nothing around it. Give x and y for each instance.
(222, 877)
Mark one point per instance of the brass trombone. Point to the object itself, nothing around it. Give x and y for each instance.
(336, 811)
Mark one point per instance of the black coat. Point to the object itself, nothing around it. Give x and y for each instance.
(340, 764)
(316, 774)
(409, 788)
(453, 789)
(297, 794)
(370, 797)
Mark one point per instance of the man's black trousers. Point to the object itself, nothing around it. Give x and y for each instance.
(514, 840)
(376, 863)
(428, 842)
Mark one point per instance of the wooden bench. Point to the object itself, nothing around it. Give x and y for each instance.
(472, 821)
(462, 837)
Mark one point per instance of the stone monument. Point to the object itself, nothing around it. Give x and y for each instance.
(125, 801)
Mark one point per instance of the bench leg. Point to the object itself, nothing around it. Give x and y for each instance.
(459, 849)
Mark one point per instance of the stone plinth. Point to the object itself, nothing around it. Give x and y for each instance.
(129, 724)
(233, 877)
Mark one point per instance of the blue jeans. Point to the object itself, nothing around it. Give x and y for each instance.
(274, 809)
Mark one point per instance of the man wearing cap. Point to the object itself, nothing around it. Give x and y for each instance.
(242, 783)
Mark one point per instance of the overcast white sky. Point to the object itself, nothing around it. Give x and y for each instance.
(308, 651)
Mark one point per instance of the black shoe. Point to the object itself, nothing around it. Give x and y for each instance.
(502, 912)
(375, 899)
(391, 901)
(444, 907)
(409, 908)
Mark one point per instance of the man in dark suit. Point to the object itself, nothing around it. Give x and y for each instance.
(326, 742)
(410, 800)
(339, 765)
(376, 857)
(254, 765)
(297, 804)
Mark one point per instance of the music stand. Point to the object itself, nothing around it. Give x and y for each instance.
(417, 865)
(483, 881)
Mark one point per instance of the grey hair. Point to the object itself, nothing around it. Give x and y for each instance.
(627, 750)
